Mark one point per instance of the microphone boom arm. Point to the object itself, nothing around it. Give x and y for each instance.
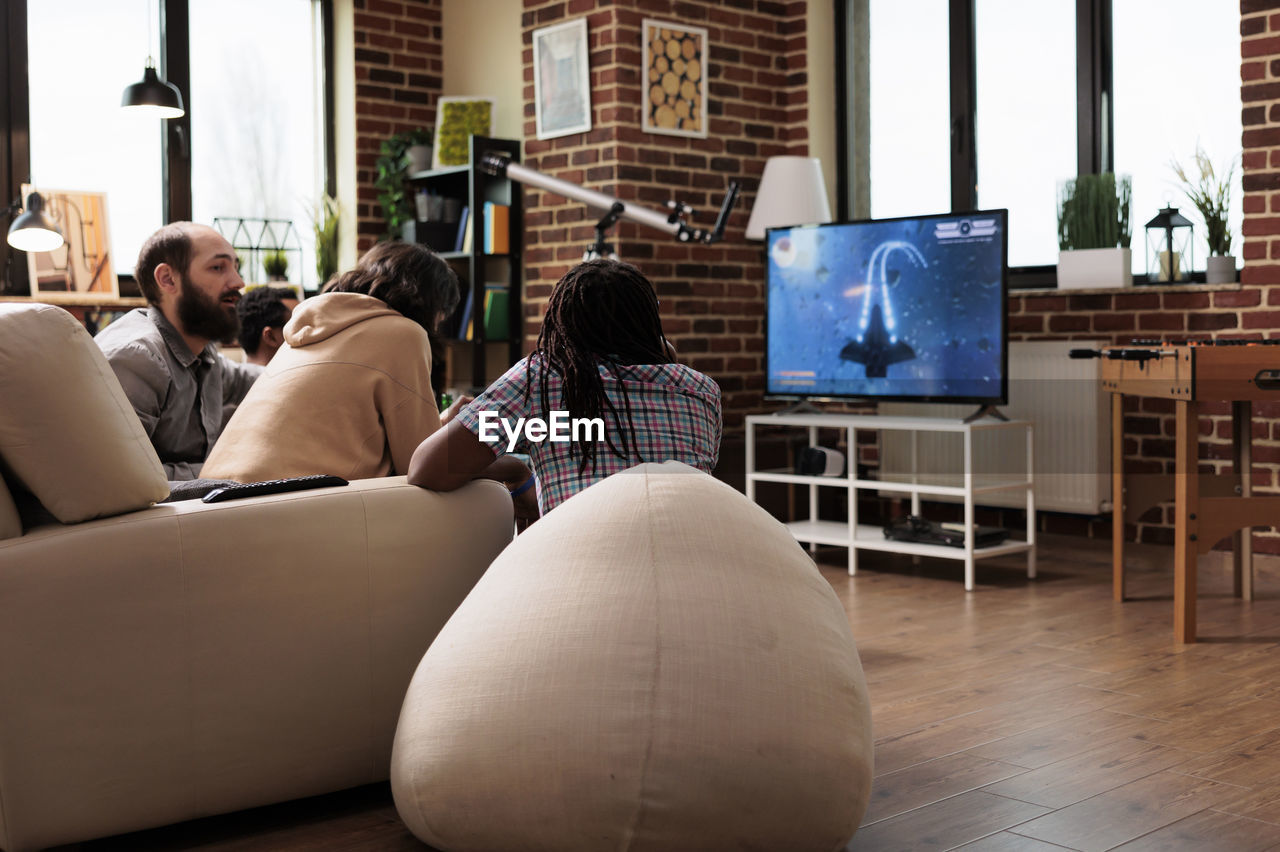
(672, 223)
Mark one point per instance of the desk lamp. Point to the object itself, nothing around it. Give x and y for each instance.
(33, 230)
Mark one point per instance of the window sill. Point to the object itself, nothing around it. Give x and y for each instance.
(1137, 288)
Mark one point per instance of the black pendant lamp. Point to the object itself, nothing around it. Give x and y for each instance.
(153, 95)
(33, 230)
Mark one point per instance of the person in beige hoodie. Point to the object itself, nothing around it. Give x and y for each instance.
(349, 393)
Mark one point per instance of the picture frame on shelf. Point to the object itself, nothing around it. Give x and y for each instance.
(675, 99)
(82, 265)
(458, 118)
(561, 79)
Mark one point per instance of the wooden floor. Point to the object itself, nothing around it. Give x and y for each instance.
(1026, 715)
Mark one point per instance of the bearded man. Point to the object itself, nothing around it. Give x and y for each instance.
(164, 355)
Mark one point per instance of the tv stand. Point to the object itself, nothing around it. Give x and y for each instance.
(970, 486)
(986, 411)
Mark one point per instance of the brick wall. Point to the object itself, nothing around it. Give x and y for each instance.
(398, 67)
(712, 296)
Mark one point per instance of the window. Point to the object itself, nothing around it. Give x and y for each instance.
(257, 133)
(910, 113)
(1026, 118)
(1039, 93)
(255, 106)
(1170, 81)
(80, 138)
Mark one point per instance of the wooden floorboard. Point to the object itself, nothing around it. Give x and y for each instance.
(1026, 715)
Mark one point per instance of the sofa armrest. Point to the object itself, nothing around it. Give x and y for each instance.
(191, 658)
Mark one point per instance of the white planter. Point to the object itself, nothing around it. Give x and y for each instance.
(1095, 268)
(419, 158)
(1220, 269)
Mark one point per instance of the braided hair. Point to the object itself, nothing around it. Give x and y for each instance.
(601, 313)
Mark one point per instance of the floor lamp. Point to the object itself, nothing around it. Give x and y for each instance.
(792, 192)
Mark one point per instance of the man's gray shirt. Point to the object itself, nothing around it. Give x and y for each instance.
(178, 395)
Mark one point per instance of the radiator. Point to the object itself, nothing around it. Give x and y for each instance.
(1071, 413)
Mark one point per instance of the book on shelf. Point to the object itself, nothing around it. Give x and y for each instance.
(497, 227)
(463, 329)
(464, 227)
(497, 325)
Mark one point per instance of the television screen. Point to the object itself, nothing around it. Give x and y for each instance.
(910, 308)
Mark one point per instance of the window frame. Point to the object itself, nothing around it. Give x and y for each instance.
(175, 149)
(1094, 112)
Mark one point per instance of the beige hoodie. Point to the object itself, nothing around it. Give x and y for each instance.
(348, 394)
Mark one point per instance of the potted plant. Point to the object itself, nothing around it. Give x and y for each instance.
(419, 149)
(275, 263)
(325, 224)
(1094, 232)
(1212, 197)
(393, 167)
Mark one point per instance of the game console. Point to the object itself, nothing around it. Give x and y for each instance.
(916, 529)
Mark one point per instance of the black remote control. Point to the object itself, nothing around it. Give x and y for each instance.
(273, 486)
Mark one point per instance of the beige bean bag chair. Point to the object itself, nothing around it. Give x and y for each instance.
(655, 665)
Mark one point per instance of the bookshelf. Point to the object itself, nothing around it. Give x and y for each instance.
(489, 265)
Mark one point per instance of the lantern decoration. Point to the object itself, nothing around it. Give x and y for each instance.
(1169, 246)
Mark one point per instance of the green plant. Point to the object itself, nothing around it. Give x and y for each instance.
(1212, 197)
(275, 263)
(397, 203)
(1093, 212)
(324, 221)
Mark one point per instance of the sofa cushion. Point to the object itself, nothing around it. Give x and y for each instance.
(654, 665)
(67, 432)
(10, 525)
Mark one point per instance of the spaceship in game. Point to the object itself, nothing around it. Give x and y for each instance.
(877, 344)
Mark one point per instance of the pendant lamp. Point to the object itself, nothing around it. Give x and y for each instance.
(153, 95)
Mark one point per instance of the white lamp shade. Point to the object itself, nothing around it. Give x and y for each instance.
(792, 192)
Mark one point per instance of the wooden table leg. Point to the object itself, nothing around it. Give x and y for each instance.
(1117, 496)
(1187, 500)
(1242, 463)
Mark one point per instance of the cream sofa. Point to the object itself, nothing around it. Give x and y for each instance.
(164, 662)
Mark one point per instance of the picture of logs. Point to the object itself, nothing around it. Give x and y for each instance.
(676, 98)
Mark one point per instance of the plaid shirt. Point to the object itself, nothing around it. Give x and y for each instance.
(675, 410)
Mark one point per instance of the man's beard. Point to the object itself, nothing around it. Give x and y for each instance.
(204, 317)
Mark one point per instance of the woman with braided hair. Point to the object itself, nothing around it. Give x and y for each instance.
(601, 359)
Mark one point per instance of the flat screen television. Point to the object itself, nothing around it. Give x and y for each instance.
(904, 309)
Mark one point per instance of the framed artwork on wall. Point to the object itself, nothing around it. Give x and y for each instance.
(82, 265)
(561, 79)
(457, 119)
(675, 100)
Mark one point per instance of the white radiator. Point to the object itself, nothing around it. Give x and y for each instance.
(1071, 413)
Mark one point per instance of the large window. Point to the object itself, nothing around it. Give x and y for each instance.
(1026, 118)
(1176, 87)
(255, 103)
(1030, 91)
(82, 53)
(910, 117)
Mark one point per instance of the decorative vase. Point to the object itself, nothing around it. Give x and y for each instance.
(419, 158)
(1095, 268)
(1220, 269)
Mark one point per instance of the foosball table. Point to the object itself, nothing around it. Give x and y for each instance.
(1208, 507)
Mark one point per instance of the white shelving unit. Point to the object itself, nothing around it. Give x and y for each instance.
(969, 486)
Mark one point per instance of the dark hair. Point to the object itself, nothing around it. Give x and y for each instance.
(601, 313)
(172, 245)
(409, 277)
(260, 308)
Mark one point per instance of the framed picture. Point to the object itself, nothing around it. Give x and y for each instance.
(457, 119)
(561, 79)
(82, 265)
(675, 100)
